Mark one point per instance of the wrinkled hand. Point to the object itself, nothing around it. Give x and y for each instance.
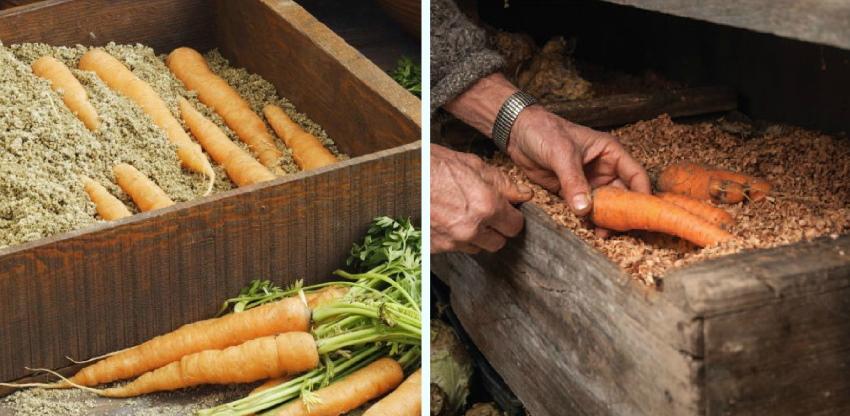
(471, 203)
(570, 160)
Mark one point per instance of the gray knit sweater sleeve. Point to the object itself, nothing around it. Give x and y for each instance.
(459, 54)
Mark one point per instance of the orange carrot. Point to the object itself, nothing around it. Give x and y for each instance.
(109, 207)
(272, 382)
(325, 295)
(706, 183)
(122, 80)
(73, 94)
(351, 392)
(406, 400)
(256, 359)
(710, 213)
(145, 193)
(621, 210)
(307, 150)
(240, 166)
(287, 315)
(190, 67)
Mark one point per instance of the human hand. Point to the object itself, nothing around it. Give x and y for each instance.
(471, 203)
(570, 159)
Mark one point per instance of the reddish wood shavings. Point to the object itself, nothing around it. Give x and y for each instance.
(810, 172)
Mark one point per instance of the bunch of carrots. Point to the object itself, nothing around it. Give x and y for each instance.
(681, 208)
(191, 68)
(324, 349)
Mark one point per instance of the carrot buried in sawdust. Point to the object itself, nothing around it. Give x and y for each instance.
(108, 206)
(406, 400)
(287, 315)
(191, 68)
(240, 166)
(621, 210)
(119, 78)
(256, 359)
(710, 213)
(145, 193)
(349, 393)
(307, 150)
(707, 183)
(72, 92)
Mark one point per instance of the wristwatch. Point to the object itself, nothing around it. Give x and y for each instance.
(507, 116)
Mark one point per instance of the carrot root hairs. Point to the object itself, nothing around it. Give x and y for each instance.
(707, 183)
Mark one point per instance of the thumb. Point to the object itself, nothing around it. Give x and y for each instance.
(510, 190)
(575, 189)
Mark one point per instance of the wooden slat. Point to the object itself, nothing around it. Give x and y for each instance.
(113, 285)
(355, 101)
(788, 357)
(161, 24)
(569, 332)
(751, 279)
(620, 109)
(824, 22)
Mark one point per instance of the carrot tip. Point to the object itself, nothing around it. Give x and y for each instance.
(66, 382)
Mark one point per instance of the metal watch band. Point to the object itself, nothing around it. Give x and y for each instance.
(507, 116)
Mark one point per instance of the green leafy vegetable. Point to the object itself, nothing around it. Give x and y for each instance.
(379, 316)
(408, 74)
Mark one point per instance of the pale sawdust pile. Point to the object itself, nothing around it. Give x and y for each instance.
(810, 172)
(44, 148)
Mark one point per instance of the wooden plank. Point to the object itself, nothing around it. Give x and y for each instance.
(109, 286)
(788, 357)
(161, 24)
(355, 101)
(620, 109)
(825, 22)
(751, 279)
(584, 338)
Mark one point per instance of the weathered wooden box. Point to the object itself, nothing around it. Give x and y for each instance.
(113, 285)
(759, 333)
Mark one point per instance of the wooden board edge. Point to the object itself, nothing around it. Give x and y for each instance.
(354, 61)
(755, 278)
(182, 206)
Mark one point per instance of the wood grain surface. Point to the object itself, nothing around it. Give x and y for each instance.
(160, 24)
(825, 22)
(759, 332)
(620, 109)
(317, 71)
(583, 337)
(113, 285)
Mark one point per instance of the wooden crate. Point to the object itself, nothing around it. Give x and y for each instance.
(759, 333)
(112, 285)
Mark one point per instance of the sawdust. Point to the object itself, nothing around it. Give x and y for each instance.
(809, 171)
(37, 402)
(44, 147)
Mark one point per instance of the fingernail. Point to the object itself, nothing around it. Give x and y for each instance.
(524, 189)
(581, 202)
